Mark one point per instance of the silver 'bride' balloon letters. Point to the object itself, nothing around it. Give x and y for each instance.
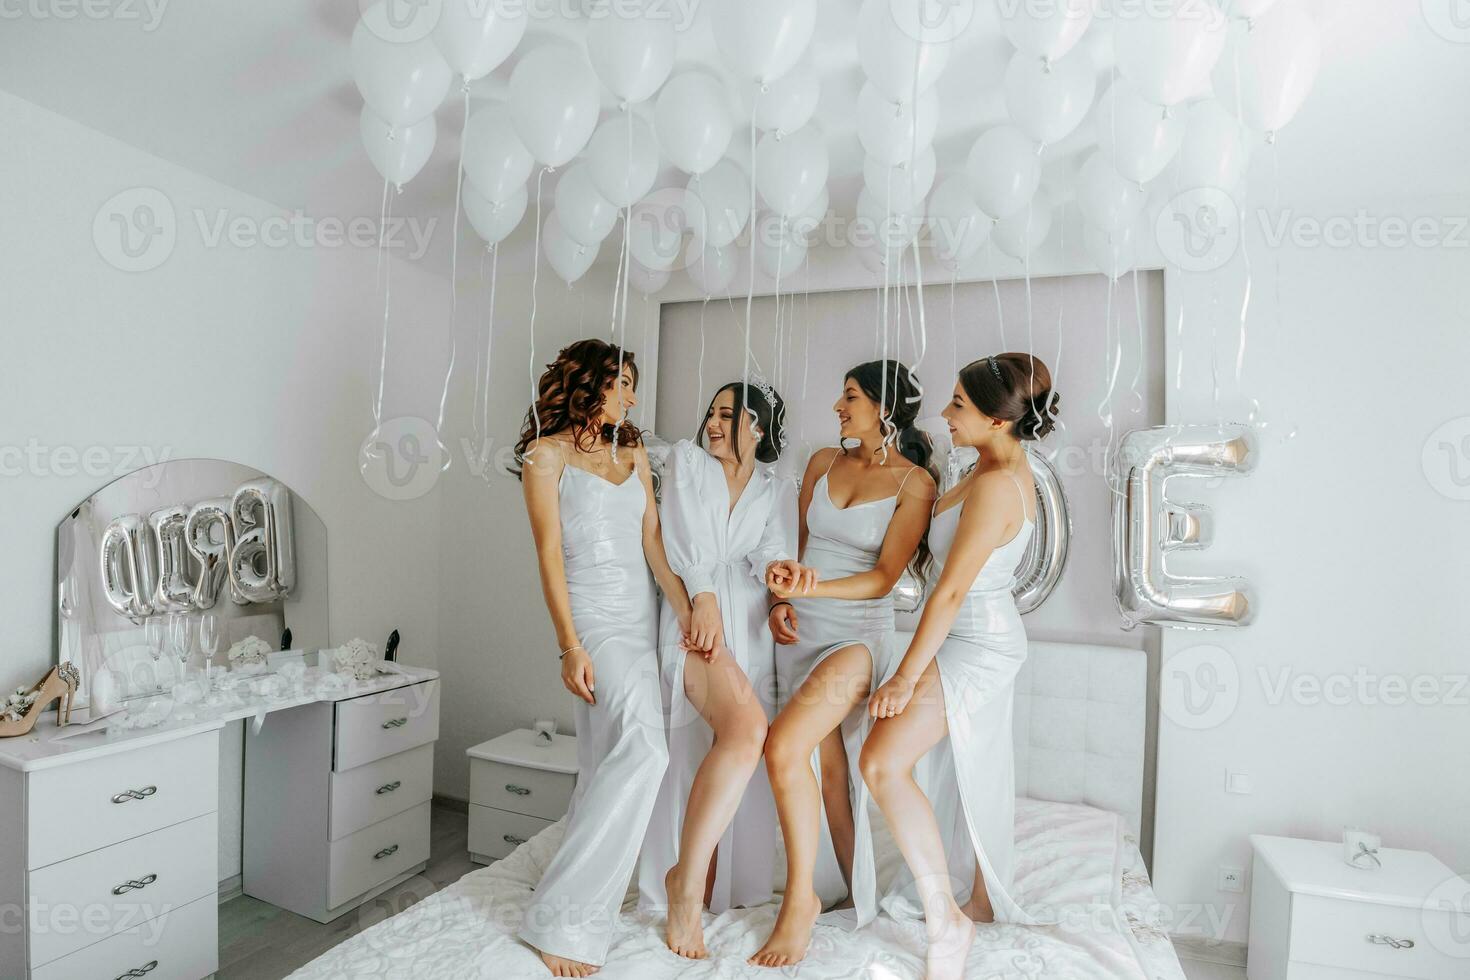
(1148, 526)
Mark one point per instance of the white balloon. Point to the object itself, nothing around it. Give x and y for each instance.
(1046, 30)
(778, 252)
(397, 153)
(891, 132)
(569, 257)
(805, 224)
(957, 226)
(645, 280)
(1106, 199)
(656, 227)
(897, 63)
(791, 171)
(761, 40)
(1023, 232)
(495, 159)
(1048, 102)
(889, 229)
(585, 214)
(889, 263)
(475, 36)
(553, 99)
(1136, 136)
(724, 195)
(402, 80)
(1006, 171)
(901, 188)
(1272, 66)
(710, 268)
(1113, 252)
(693, 121)
(787, 104)
(632, 51)
(490, 220)
(623, 158)
(1169, 48)
(1248, 9)
(1213, 152)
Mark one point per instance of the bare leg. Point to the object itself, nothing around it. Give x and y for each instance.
(722, 694)
(834, 688)
(889, 755)
(837, 801)
(978, 908)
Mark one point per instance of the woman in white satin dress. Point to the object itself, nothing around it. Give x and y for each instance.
(864, 511)
(589, 494)
(955, 685)
(725, 516)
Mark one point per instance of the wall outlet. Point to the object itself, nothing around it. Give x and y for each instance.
(1238, 782)
(1231, 879)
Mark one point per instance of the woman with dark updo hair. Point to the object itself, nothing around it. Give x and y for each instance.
(864, 511)
(590, 498)
(726, 516)
(956, 681)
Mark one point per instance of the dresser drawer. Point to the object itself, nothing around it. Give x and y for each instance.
(495, 833)
(380, 725)
(360, 861)
(79, 808)
(116, 888)
(533, 792)
(181, 944)
(1334, 932)
(377, 790)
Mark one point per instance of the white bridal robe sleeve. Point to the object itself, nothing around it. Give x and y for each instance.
(722, 550)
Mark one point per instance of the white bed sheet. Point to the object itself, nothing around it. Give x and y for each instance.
(1074, 862)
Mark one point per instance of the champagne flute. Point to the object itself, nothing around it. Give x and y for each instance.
(208, 638)
(178, 635)
(153, 636)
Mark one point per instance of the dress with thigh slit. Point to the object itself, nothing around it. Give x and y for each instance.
(969, 776)
(621, 748)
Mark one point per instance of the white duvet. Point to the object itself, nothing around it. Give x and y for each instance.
(1073, 862)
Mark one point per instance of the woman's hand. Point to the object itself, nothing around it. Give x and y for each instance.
(787, 578)
(576, 673)
(782, 620)
(890, 699)
(706, 631)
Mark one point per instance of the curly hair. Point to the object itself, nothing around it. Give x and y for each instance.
(570, 397)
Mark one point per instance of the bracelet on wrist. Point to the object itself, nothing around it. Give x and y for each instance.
(574, 646)
(781, 602)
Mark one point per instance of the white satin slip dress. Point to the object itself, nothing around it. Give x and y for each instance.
(715, 548)
(969, 777)
(844, 541)
(621, 748)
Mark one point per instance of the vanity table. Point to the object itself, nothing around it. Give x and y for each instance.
(109, 858)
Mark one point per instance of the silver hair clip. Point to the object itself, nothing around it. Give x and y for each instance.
(995, 369)
(778, 410)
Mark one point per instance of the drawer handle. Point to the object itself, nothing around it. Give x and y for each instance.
(389, 787)
(517, 790)
(395, 723)
(385, 852)
(1390, 941)
(513, 840)
(134, 883)
(135, 794)
(141, 971)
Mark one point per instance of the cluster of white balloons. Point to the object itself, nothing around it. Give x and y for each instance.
(1259, 58)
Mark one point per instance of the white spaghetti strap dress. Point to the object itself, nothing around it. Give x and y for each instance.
(717, 549)
(621, 748)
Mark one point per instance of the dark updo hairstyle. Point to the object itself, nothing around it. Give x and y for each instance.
(769, 418)
(569, 398)
(1015, 388)
(899, 397)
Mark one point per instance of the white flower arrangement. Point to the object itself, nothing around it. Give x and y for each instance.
(16, 705)
(251, 650)
(357, 658)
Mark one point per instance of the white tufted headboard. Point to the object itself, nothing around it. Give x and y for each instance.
(1079, 726)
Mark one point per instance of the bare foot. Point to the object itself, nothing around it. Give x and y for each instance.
(686, 923)
(978, 909)
(561, 967)
(949, 946)
(846, 903)
(793, 932)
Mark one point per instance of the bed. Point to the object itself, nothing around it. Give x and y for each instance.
(1079, 756)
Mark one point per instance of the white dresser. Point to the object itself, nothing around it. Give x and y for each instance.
(518, 787)
(1315, 918)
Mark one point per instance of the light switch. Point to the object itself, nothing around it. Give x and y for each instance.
(1238, 782)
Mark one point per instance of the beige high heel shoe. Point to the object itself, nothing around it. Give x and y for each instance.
(60, 682)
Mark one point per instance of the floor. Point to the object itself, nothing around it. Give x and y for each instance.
(262, 942)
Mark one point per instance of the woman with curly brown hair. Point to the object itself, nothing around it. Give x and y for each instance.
(589, 494)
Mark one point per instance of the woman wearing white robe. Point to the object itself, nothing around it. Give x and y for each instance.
(954, 688)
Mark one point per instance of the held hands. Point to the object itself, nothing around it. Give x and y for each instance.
(705, 632)
(890, 699)
(576, 673)
(782, 620)
(787, 578)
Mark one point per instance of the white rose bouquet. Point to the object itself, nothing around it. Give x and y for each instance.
(251, 650)
(356, 658)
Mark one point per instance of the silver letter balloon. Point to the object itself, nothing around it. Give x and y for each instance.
(1148, 526)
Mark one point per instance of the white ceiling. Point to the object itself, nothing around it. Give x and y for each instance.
(258, 95)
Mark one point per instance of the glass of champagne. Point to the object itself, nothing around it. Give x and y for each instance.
(208, 638)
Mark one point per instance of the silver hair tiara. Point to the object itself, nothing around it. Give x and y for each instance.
(995, 369)
(777, 408)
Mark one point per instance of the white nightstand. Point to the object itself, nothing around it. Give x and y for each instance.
(1315, 918)
(517, 788)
